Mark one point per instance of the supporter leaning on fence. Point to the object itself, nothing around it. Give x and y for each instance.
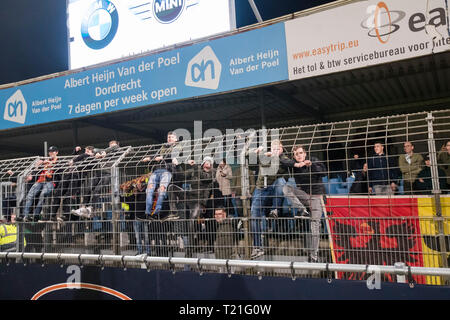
(309, 190)
(46, 180)
(99, 179)
(76, 176)
(68, 189)
(269, 186)
(203, 197)
(161, 167)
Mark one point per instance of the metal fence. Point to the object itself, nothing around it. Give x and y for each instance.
(341, 193)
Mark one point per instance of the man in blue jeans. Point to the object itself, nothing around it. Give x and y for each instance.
(45, 183)
(269, 186)
(162, 168)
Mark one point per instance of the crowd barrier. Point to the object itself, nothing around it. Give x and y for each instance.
(120, 201)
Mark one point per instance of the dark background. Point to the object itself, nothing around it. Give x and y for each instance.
(34, 33)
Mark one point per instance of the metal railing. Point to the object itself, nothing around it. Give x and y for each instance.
(103, 205)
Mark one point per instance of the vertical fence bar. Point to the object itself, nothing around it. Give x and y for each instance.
(439, 220)
(115, 201)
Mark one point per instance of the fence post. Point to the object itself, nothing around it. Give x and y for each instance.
(438, 219)
(245, 185)
(21, 193)
(115, 202)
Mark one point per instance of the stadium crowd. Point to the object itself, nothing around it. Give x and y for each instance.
(188, 191)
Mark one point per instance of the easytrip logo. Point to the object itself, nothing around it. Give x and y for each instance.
(383, 22)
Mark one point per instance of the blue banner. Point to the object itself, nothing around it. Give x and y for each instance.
(243, 60)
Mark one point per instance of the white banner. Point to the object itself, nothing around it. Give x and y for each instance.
(102, 30)
(366, 33)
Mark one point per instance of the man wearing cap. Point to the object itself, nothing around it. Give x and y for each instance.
(410, 165)
(46, 179)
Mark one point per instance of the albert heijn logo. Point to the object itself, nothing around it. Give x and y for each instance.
(16, 108)
(204, 70)
(167, 11)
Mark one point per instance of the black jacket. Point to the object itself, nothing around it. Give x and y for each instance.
(381, 170)
(166, 163)
(361, 183)
(309, 179)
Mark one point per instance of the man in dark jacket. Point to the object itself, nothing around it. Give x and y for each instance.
(309, 190)
(382, 174)
(101, 178)
(203, 186)
(424, 183)
(361, 183)
(225, 234)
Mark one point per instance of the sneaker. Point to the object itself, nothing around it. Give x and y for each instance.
(313, 260)
(273, 213)
(62, 218)
(302, 214)
(141, 217)
(28, 219)
(170, 217)
(256, 253)
(83, 212)
(76, 212)
(42, 219)
(86, 212)
(151, 217)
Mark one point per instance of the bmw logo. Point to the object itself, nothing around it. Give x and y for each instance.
(167, 11)
(100, 24)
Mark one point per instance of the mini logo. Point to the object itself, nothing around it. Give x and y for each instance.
(204, 70)
(167, 11)
(16, 108)
(100, 24)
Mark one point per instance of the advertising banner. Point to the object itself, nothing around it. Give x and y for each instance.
(375, 231)
(102, 30)
(365, 33)
(431, 241)
(244, 60)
